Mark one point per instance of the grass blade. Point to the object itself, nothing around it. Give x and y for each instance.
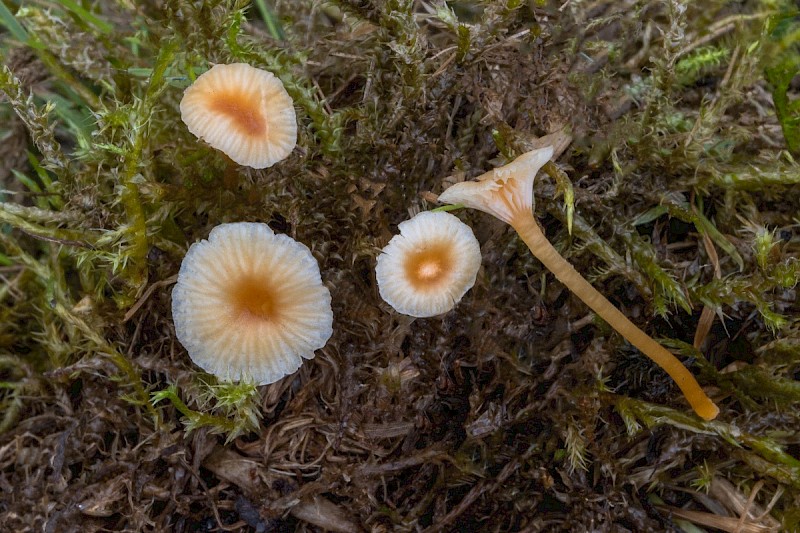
(8, 20)
(84, 14)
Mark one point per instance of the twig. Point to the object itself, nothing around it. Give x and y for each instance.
(140, 302)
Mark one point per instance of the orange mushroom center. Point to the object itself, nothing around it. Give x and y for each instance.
(253, 297)
(429, 266)
(242, 108)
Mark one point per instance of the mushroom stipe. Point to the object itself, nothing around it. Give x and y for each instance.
(507, 193)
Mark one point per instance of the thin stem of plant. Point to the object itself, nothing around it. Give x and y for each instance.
(528, 229)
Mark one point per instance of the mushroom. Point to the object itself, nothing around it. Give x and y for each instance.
(426, 269)
(250, 304)
(507, 193)
(243, 111)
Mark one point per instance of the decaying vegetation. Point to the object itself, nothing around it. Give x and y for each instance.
(677, 193)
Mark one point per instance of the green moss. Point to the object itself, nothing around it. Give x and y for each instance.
(677, 191)
(227, 408)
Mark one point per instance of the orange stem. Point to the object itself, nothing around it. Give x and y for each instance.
(529, 231)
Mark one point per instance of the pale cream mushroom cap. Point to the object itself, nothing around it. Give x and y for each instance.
(504, 191)
(426, 269)
(250, 304)
(243, 111)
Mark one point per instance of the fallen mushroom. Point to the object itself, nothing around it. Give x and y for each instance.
(242, 111)
(426, 269)
(507, 193)
(250, 304)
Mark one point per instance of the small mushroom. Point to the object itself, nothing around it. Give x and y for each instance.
(426, 269)
(507, 193)
(250, 304)
(243, 111)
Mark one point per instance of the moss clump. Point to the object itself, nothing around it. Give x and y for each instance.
(516, 410)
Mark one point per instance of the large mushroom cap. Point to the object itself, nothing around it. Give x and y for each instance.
(243, 111)
(426, 269)
(250, 304)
